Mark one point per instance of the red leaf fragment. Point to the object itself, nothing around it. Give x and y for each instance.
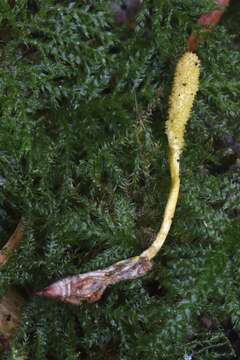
(207, 20)
(211, 18)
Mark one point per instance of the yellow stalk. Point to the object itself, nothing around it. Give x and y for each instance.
(185, 87)
(90, 286)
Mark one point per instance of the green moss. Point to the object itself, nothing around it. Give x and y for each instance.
(90, 175)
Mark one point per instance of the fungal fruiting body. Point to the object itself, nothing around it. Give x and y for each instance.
(185, 87)
(90, 286)
(184, 90)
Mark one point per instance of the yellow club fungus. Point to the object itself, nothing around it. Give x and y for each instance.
(90, 286)
(185, 87)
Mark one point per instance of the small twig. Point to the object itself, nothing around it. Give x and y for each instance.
(12, 301)
(210, 347)
(12, 243)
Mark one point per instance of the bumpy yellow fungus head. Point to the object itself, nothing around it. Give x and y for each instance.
(185, 87)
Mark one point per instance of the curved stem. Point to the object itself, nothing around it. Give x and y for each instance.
(170, 207)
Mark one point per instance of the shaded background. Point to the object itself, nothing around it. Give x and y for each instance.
(84, 160)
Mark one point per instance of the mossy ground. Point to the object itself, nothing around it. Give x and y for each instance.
(84, 160)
